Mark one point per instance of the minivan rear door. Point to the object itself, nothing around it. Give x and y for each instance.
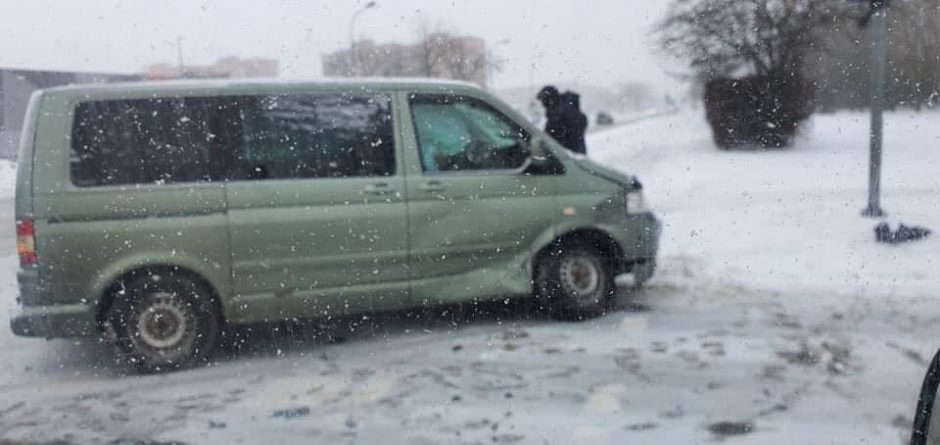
(316, 208)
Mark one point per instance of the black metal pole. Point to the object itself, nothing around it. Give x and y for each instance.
(878, 28)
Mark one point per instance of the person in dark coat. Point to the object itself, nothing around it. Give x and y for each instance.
(565, 121)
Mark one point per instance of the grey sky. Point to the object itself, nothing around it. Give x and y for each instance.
(594, 42)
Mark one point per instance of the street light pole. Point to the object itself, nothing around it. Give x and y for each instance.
(878, 25)
(179, 54)
(491, 64)
(353, 61)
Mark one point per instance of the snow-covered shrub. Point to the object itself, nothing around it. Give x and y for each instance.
(761, 111)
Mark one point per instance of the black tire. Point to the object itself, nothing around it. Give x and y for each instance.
(575, 282)
(164, 320)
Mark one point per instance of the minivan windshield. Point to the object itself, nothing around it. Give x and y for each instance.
(468, 221)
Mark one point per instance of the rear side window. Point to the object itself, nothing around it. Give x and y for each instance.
(147, 141)
(317, 136)
(202, 139)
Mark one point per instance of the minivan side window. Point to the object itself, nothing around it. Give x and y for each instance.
(202, 139)
(317, 136)
(461, 133)
(142, 141)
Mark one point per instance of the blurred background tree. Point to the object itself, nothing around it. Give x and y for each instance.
(839, 66)
(820, 40)
(751, 57)
(738, 38)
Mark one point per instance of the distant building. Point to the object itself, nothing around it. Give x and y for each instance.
(222, 68)
(439, 55)
(16, 85)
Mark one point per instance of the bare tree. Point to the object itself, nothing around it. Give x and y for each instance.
(465, 63)
(441, 53)
(818, 39)
(750, 55)
(746, 37)
(841, 73)
(430, 48)
(437, 53)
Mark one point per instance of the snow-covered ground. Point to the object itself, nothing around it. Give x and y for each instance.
(789, 219)
(774, 309)
(7, 178)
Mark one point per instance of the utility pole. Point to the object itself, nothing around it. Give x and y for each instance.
(353, 60)
(179, 55)
(491, 62)
(877, 24)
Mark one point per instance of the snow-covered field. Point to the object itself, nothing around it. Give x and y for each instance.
(7, 178)
(774, 309)
(789, 219)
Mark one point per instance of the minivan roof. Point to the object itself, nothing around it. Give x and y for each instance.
(189, 85)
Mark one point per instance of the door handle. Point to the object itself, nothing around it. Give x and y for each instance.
(431, 186)
(379, 188)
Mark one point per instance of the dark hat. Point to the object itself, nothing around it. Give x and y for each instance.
(548, 92)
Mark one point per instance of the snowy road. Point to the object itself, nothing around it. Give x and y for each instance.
(773, 312)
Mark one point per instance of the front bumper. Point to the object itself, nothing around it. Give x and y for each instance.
(645, 229)
(56, 321)
(640, 244)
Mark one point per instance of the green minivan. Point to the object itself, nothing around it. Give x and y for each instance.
(160, 214)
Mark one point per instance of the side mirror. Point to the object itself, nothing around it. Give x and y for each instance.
(541, 160)
(538, 152)
(926, 429)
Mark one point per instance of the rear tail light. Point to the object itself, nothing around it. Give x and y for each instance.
(26, 242)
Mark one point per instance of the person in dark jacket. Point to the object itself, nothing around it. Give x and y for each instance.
(565, 121)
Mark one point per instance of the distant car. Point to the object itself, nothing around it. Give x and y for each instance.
(604, 118)
(158, 213)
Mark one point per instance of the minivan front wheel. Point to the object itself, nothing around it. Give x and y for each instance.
(575, 282)
(164, 321)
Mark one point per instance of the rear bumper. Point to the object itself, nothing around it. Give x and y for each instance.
(62, 321)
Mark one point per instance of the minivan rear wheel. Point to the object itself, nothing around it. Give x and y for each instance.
(164, 321)
(575, 282)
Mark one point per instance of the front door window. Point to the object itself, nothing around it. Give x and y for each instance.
(458, 133)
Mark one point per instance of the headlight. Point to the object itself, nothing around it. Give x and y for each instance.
(636, 203)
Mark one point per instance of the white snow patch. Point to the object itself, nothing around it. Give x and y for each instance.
(790, 219)
(7, 178)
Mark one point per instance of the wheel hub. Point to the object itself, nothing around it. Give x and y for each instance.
(163, 323)
(581, 275)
